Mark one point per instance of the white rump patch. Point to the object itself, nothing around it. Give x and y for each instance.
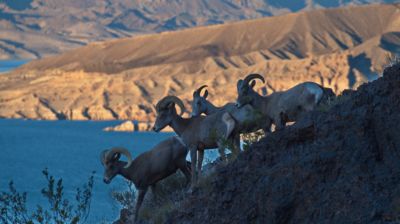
(230, 123)
(316, 91)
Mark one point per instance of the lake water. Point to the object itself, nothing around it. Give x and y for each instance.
(7, 65)
(69, 149)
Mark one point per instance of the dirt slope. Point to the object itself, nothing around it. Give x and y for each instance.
(37, 28)
(122, 79)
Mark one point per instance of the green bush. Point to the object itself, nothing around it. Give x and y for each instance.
(13, 207)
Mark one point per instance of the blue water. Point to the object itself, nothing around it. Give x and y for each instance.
(69, 149)
(7, 65)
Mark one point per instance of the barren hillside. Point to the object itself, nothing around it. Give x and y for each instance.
(37, 28)
(122, 79)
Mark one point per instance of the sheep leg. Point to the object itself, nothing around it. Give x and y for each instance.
(267, 128)
(236, 145)
(200, 161)
(139, 202)
(279, 122)
(185, 170)
(221, 150)
(237, 142)
(193, 158)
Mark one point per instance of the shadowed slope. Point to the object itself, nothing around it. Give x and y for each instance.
(338, 166)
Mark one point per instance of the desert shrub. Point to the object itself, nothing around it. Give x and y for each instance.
(169, 193)
(156, 205)
(126, 199)
(13, 207)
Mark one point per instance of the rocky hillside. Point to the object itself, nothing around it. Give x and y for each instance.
(37, 28)
(122, 79)
(338, 165)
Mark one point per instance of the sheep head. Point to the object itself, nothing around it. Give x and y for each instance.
(245, 89)
(166, 111)
(199, 103)
(112, 164)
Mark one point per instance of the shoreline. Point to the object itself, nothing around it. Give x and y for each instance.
(109, 124)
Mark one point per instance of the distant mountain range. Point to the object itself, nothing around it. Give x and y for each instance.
(38, 28)
(123, 78)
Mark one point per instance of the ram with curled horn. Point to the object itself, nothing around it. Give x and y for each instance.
(148, 168)
(246, 118)
(198, 133)
(284, 106)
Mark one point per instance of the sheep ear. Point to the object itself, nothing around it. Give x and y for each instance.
(253, 83)
(171, 105)
(239, 83)
(117, 156)
(264, 91)
(205, 94)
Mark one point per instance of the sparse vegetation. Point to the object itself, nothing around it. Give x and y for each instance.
(13, 208)
(157, 204)
(324, 107)
(126, 198)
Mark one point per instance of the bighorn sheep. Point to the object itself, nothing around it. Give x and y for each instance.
(246, 118)
(198, 133)
(149, 167)
(284, 106)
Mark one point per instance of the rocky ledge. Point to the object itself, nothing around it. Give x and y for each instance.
(340, 164)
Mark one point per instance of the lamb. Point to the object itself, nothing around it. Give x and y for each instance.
(284, 106)
(198, 133)
(246, 118)
(149, 167)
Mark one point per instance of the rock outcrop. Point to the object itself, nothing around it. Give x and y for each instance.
(127, 126)
(338, 165)
(130, 126)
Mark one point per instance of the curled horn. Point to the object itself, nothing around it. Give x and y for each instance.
(170, 99)
(251, 77)
(103, 157)
(123, 151)
(198, 91)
